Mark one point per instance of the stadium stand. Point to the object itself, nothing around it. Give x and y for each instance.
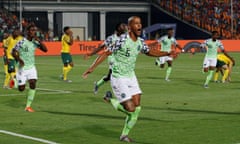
(209, 15)
(8, 22)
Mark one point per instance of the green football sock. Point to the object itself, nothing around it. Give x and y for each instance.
(15, 83)
(169, 70)
(100, 82)
(131, 121)
(209, 77)
(118, 106)
(30, 97)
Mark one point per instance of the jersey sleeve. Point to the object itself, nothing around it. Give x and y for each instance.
(204, 44)
(145, 49)
(161, 39)
(18, 45)
(220, 45)
(175, 42)
(108, 42)
(118, 43)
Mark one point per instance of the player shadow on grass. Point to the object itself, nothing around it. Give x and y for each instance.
(102, 116)
(103, 131)
(106, 132)
(192, 110)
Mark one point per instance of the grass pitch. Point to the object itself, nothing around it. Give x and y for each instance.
(176, 112)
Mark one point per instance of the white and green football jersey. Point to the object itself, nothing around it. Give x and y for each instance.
(125, 52)
(26, 51)
(166, 43)
(212, 47)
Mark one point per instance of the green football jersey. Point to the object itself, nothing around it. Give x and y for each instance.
(125, 52)
(166, 43)
(26, 51)
(212, 47)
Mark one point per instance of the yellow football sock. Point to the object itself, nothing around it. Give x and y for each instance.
(65, 71)
(69, 68)
(7, 79)
(225, 75)
(216, 76)
(6, 69)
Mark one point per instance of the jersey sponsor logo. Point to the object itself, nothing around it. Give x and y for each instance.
(123, 95)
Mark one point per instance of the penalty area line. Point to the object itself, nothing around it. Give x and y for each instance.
(27, 137)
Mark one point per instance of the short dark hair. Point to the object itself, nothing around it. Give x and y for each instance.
(30, 26)
(214, 32)
(118, 26)
(168, 29)
(66, 28)
(15, 29)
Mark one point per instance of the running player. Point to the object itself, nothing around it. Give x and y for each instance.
(123, 80)
(11, 42)
(167, 42)
(67, 41)
(4, 46)
(120, 29)
(226, 64)
(210, 60)
(24, 53)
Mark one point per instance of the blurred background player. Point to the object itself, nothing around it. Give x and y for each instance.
(167, 42)
(120, 28)
(7, 75)
(210, 60)
(123, 79)
(11, 42)
(24, 53)
(67, 41)
(224, 66)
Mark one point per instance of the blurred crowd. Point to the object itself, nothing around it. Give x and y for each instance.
(207, 14)
(8, 22)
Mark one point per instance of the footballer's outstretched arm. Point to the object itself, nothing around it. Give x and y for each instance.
(98, 61)
(102, 46)
(179, 47)
(156, 53)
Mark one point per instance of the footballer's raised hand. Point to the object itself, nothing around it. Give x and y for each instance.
(86, 73)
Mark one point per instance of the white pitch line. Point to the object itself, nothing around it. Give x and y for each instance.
(48, 92)
(53, 90)
(20, 94)
(27, 137)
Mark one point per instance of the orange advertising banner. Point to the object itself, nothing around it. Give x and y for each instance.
(82, 47)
